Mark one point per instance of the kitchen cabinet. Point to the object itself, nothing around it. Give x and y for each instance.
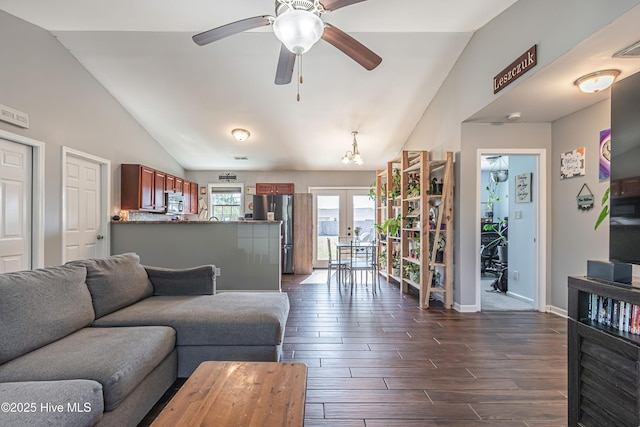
(138, 188)
(144, 189)
(194, 198)
(159, 189)
(267, 188)
(170, 183)
(186, 192)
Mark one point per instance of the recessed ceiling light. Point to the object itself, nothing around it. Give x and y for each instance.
(240, 134)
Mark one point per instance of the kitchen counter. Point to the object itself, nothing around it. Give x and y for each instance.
(246, 252)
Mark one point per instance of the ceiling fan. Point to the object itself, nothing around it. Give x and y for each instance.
(298, 26)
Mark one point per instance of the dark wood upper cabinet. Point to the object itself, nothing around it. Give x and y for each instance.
(186, 191)
(143, 189)
(137, 188)
(268, 188)
(194, 198)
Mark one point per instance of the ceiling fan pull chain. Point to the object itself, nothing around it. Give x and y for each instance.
(299, 75)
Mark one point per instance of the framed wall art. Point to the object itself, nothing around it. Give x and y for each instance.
(523, 188)
(572, 163)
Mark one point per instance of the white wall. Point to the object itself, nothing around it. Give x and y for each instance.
(67, 107)
(574, 239)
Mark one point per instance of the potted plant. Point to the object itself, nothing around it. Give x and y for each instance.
(436, 187)
(392, 225)
(413, 186)
(382, 260)
(442, 241)
(394, 192)
(501, 241)
(395, 265)
(412, 272)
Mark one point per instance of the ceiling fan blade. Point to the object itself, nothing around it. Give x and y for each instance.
(332, 5)
(231, 29)
(284, 72)
(351, 47)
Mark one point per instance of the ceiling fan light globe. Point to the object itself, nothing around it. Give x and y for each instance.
(298, 30)
(357, 159)
(345, 159)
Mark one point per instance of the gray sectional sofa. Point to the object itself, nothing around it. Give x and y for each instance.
(98, 342)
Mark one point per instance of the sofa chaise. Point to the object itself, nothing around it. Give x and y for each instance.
(103, 339)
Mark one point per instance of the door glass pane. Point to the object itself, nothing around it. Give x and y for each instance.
(364, 217)
(328, 224)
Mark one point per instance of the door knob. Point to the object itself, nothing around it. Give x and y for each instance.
(100, 237)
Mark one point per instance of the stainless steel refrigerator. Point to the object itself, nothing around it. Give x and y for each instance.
(282, 208)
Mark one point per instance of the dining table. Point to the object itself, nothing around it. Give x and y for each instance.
(354, 256)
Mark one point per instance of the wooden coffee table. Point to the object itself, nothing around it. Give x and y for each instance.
(248, 394)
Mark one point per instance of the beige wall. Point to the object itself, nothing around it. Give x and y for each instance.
(67, 107)
(556, 28)
(302, 180)
(574, 239)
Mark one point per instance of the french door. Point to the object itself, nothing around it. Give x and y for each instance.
(340, 213)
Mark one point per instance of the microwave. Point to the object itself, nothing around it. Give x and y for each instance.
(174, 203)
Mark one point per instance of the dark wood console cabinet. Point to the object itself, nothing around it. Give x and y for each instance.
(603, 360)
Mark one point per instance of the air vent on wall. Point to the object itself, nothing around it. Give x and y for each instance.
(14, 117)
(632, 51)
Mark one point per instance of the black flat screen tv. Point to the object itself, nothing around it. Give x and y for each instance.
(624, 199)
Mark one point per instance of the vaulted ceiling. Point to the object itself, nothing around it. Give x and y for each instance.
(189, 98)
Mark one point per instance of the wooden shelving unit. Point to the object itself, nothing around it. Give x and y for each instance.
(425, 257)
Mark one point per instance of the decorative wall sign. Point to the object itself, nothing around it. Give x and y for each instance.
(605, 153)
(585, 198)
(523, 188)
(516, 69)
(572, 163)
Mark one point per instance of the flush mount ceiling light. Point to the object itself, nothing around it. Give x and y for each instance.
(596, 82)
(353, 156)
(240, 134)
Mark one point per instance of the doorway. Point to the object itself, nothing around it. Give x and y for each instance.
(511, 268)
(22, 203)
(340, 212)
(85, 205)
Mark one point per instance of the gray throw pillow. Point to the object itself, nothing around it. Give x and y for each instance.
(40, 306)
(116, 282)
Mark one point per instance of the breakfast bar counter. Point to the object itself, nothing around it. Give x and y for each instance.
(247, 253)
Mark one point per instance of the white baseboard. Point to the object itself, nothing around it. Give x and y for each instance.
(520, 297)
(557, 311)
(465, 308)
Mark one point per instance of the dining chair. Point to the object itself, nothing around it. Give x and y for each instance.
(336, 265)
(364, 260)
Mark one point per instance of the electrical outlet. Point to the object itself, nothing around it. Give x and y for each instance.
(218, 273)
(516, 275)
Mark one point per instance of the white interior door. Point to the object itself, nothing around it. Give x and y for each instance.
(84, 236)
(337, 214)
(15, 197)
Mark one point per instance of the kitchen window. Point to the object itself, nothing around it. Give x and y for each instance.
(226, 202)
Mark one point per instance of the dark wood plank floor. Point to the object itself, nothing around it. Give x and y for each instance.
(380, 361)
